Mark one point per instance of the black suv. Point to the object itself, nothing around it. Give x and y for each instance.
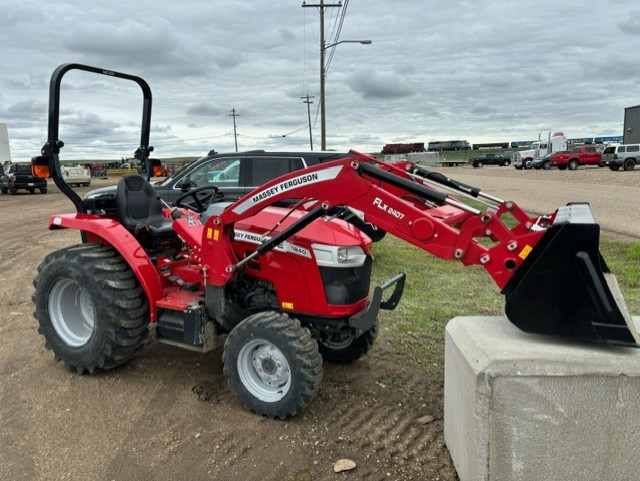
(18, 177)
(235, 174)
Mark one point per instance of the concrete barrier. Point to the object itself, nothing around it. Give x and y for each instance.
(526, 407)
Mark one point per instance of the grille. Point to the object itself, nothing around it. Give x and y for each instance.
(346, 285)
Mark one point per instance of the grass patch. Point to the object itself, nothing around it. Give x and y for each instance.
(438, 290)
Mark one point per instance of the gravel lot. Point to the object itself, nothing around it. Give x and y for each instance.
(614, 196)
(169, 414)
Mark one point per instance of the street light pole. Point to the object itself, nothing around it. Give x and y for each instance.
(323, 74)
(323, 122)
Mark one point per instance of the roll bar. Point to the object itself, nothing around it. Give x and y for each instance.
(51, 149)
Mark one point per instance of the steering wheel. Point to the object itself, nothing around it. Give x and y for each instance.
(199, 202)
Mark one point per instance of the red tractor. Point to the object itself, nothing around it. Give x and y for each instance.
(290, 285)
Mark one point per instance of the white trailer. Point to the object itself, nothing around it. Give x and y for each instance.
(424, 158)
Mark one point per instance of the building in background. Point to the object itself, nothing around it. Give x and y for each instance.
(5, 152)
(631, 133)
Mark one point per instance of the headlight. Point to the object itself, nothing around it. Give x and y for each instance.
(338, 256)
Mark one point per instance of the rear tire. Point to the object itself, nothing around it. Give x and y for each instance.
(546, 165)
(272, 364)
(629, 164)
(346, 348)
(614, 167)
(92, 311)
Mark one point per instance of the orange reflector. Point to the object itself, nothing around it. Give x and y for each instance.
(157, 171)
(40, 171)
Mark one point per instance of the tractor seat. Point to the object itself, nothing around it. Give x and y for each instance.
(141, 211)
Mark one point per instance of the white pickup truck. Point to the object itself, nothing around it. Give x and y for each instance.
(76, 174)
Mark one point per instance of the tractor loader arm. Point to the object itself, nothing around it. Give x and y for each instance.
(559, 249)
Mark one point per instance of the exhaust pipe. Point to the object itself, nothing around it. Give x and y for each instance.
(564, 287)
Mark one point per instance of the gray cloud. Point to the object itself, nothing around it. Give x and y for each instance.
(631, 24)
(373, 84)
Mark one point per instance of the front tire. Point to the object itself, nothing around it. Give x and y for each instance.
(90, 306)
(573, 164)
(272, 364)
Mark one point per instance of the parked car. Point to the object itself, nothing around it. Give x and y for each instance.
(579, 155)
(542, 162)
(626, 156)
(18, 177)
(234, 174)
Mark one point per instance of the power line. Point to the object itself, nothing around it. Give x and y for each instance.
(343, 13)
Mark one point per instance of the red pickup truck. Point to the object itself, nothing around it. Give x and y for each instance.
(580, 155)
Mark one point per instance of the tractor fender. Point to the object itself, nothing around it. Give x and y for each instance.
(101, 230)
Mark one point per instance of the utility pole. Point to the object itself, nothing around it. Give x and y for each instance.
(309, 102)
(235, 134)
(323, 124)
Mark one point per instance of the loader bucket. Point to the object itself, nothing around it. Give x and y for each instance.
(564, 287)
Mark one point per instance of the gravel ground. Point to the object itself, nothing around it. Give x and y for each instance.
(169, 414)
(614, 197)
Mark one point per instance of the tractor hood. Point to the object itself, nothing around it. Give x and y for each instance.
(333, 233)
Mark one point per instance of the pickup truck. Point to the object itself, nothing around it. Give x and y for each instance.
(18, 176)
(579, 155)
(76, 175)
(491, 159)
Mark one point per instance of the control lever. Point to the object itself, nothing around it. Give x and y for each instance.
(175, 213)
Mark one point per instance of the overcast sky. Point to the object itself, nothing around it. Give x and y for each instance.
(436, 70)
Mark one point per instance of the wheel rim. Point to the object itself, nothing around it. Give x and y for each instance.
(264, 370)
(71, 312)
